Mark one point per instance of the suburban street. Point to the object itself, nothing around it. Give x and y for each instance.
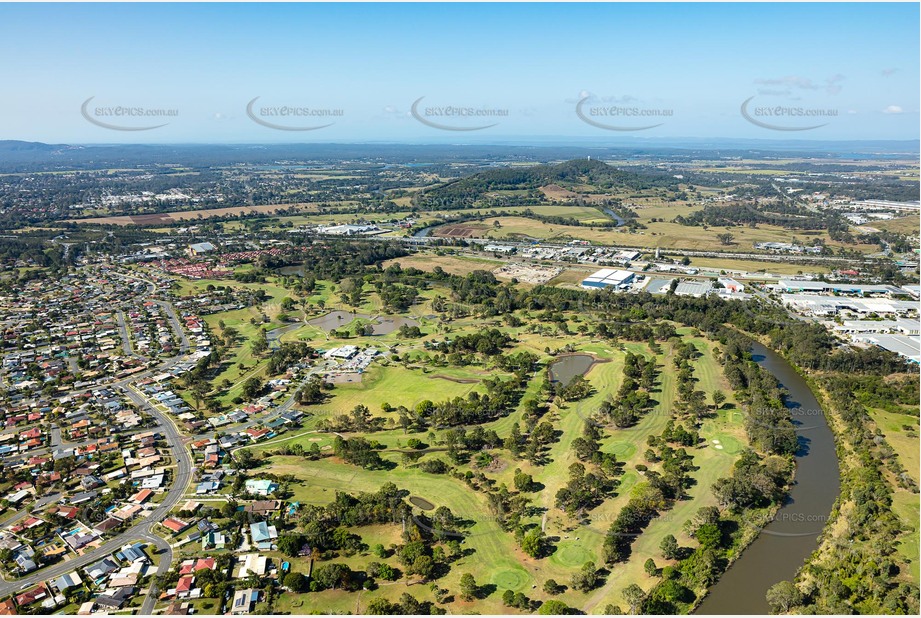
(143, 530)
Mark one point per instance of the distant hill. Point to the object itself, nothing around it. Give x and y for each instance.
(469, 191)
(12, 145)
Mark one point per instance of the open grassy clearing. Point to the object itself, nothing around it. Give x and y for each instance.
(902, 225)
(754, 266)
(901, 432)
(906, 505)
(187, 215)
(665, 235)
(453, 264)
(398, 385)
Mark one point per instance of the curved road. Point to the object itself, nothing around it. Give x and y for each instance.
(182, 475)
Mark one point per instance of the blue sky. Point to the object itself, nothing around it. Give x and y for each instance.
(687, 68)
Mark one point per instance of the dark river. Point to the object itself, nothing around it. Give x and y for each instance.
(785, 543)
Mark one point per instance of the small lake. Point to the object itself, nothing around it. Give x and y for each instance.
(617, 218)
(385, 325)
(275, 334)
(565, 368)
(335, 319)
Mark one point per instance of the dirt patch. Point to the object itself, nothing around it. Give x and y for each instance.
(528, 273)
(496, 465)
(457, 380)
(153, 219)
(343, 378)
(185, 215)
(458, 231)
(556, 193)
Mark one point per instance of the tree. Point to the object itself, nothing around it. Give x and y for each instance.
(523, 481)
(725, 238)
(635, 596)
(587, 578)
(554, 608)
(424, 566)
(718, 398)
(468, 587)
(669, 547)
(533, 542)
(252, 387)
(650, 567)
(709, 535)
(551, 587)
(295, 582)
(245, 460)
(290, 544)
(783, 596)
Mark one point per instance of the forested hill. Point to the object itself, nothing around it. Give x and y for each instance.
(467, 192)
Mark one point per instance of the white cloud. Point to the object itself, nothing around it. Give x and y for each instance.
(831, 85)
(893, 109)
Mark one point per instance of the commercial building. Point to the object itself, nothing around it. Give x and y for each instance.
(903, 345)
(694, 288)
(837, 287)
(608, 277)
(731, 284)
(817, 305)
(902, 326)
(201, 248)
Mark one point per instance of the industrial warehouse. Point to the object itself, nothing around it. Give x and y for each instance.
(609, 277)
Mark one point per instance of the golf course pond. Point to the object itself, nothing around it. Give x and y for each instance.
(422, 503)
(564, 368)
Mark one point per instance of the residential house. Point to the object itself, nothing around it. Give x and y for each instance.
(263, 535)
(244, 601)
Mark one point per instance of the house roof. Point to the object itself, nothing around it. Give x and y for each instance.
(176, 525)
(185, 583)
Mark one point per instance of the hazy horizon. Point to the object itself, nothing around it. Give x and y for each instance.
(243, 73)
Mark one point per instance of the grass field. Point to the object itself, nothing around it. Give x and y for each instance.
(902, 225)
(453, 264)
(662, 234)
(754, 266)
(398, 385)
(905, 442)
(186, 215)
(906, 505)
